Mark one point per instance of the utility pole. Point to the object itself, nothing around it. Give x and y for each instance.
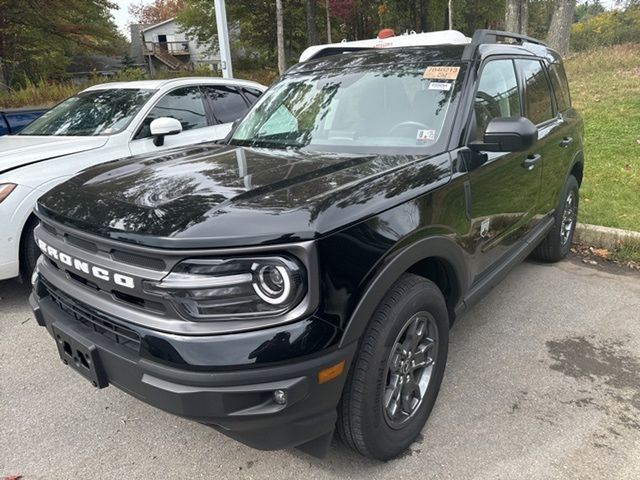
(328, 23)
(223, 39)
(282, 63)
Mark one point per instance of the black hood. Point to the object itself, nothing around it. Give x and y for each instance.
(212, 196)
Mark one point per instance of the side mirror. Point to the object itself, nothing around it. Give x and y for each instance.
(164, 126)
(509, 134)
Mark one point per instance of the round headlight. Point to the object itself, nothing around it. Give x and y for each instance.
(272, 283)
(230, 288)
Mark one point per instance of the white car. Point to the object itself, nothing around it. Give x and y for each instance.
(102, 123)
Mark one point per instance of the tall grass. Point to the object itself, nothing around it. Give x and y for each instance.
(47, 93)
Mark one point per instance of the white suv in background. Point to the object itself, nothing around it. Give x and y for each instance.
(105, 122)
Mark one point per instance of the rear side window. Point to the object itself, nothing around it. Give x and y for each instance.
(183, 104)
(227, 103)
(560, 86)
(252, 94)
(537, 93)
(497, 94)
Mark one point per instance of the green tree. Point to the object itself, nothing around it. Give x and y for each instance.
(588, 9)
(38, 38)
(252, 26)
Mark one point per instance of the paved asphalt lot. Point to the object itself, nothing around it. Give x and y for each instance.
(543, 382)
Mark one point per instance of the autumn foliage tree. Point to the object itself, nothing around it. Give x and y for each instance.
(157, 11)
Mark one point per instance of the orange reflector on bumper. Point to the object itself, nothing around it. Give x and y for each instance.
(330, 373)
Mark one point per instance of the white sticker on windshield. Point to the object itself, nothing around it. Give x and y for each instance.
(440, 86)
(425, 136)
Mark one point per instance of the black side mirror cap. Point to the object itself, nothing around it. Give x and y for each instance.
(507, 134)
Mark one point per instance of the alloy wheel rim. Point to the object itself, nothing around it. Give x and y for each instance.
(568, 218)
(409, 369)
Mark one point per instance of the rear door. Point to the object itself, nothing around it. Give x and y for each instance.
(503, 192)
(565, 139)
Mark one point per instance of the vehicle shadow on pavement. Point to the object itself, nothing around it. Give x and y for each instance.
(13, 294)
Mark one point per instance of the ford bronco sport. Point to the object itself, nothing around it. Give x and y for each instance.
(303, 277)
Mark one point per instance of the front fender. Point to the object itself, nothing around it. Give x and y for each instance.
(397, 262)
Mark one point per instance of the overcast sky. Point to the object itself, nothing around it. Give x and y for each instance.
(121, 16)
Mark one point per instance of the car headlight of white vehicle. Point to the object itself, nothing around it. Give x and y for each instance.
(5, 190)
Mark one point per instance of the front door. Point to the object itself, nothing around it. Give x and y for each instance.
(504, 192)
(185, 104)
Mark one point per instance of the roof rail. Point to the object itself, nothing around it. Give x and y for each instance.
(444, 37)
(483, 36)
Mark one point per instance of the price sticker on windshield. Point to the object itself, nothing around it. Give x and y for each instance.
(441, 73)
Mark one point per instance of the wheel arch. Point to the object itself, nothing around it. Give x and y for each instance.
(31, 219)
(438, 259)
(577, 167)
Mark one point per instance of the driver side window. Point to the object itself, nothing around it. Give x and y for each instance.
(184, 104)
(497, 94)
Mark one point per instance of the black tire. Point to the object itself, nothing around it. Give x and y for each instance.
(557, 243)
(29, 251)
(364, 423)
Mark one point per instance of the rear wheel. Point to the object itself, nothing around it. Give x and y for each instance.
(557, 243)
(29, 251)
(396, 376)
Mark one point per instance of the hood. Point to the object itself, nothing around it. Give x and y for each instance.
(17, 150)
(208, 196)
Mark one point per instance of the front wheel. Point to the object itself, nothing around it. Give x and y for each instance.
(557, 243)
(396, 376)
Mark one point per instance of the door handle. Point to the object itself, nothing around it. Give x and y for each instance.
(566, 141)
(531, 161)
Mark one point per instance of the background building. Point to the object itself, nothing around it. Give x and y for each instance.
(164, 46)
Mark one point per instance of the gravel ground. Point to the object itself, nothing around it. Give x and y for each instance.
(543, 382)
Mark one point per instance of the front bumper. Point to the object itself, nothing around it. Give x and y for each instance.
(239, 402)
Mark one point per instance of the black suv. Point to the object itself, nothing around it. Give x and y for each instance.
(303, 278)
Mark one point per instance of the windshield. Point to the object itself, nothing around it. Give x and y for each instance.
(353, 110)
(97, 112)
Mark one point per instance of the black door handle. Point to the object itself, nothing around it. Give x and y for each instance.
(566, 141)
(531, 161)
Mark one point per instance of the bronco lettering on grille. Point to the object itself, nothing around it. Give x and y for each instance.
(84, 267)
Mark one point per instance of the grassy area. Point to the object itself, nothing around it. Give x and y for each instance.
(45, 93)
(605, 87)
(628, 251)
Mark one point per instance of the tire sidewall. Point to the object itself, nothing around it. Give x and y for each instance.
(29, 253)
(571, 184)
(383, 441)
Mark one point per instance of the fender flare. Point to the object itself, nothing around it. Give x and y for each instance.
(578, 158)
(393, 266)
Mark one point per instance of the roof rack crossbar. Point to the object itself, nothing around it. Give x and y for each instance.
(485, 36)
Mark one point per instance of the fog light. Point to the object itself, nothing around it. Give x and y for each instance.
(280, 397)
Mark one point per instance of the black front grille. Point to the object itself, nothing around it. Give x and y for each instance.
(96, 321)
(81, 243)
(138, 260)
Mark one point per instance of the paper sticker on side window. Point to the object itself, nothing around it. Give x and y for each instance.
(441, 73)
